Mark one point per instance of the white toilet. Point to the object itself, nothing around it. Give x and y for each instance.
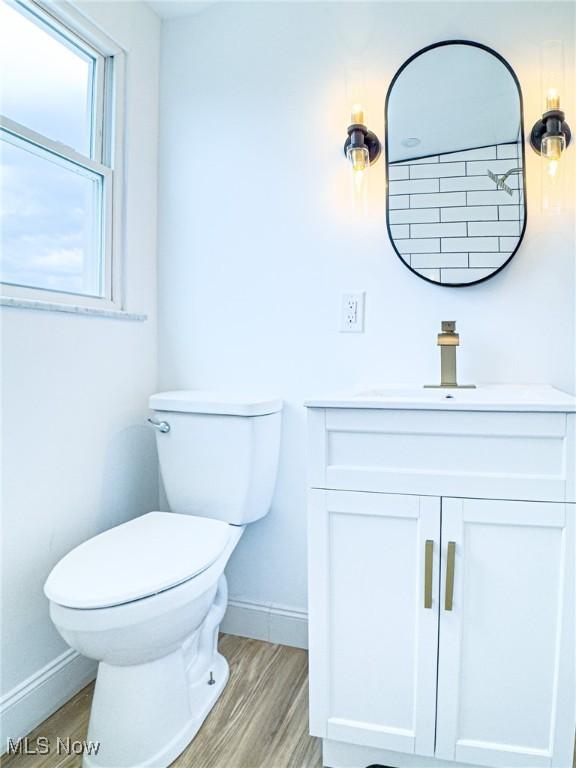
(146, 598)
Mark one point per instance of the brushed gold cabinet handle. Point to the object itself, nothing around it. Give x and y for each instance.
(428, 562)
(450, 562)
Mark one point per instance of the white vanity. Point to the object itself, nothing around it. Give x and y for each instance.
(441, 577)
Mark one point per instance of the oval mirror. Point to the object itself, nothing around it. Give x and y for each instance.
(456, 209)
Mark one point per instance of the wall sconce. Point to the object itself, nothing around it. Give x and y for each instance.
(551, 135)
(362, 147)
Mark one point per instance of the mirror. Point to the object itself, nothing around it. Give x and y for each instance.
(456, 209)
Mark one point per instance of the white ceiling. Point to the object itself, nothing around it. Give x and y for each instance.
(175, 9)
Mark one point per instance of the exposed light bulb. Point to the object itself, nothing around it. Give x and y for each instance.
(357, 114)
(552, 99)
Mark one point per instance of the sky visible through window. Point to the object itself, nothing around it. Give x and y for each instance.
(49, 213)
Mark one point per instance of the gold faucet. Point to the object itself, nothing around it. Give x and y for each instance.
(448, 340)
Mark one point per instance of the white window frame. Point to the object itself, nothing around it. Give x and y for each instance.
(107, 141)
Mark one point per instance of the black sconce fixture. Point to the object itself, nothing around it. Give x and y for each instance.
(551, 134)
(362, 147)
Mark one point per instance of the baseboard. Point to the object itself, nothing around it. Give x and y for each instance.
(266, 621)
(37, 697)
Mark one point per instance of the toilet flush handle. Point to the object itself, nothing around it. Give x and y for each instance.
(161, 426)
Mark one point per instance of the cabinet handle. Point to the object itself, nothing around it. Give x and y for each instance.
(450, 562)
(428, 562)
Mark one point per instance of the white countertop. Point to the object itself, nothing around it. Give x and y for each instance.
(493, 397)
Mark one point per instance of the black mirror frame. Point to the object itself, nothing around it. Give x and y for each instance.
(517, 82)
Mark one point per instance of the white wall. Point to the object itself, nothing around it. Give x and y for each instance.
(257, 241)
(77, 457)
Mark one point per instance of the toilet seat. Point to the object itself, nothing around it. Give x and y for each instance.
(137, 559)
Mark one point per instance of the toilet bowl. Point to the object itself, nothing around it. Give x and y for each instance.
(145, 599)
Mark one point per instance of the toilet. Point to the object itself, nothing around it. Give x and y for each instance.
(146, 598)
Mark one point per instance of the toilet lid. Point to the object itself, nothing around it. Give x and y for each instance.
(136, 559)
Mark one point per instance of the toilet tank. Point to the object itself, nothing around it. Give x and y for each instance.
(219, 458)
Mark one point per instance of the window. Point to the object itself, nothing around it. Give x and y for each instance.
(60, 187)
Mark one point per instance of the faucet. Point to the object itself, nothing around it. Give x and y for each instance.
(448, 340)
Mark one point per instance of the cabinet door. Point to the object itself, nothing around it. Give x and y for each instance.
(373, 637)
(506, 662)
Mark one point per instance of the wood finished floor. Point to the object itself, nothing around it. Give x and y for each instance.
(260, 721)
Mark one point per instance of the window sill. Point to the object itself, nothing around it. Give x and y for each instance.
(74, 309)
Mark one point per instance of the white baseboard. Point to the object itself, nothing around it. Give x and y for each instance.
(266, 621)
(37, 697)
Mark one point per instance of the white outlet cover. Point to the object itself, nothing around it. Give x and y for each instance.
(352, 312)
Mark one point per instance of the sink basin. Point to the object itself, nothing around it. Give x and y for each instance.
(497, 397)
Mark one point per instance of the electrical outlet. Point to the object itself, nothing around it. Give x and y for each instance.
(352, 312)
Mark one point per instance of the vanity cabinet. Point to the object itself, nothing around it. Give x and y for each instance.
(373, 644)
(506, 652)
(441, 621)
